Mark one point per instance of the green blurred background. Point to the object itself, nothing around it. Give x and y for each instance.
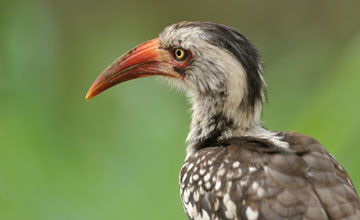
(118, 156)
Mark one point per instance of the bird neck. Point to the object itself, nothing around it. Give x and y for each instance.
(218, 117)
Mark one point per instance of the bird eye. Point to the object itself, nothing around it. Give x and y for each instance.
(180, 54)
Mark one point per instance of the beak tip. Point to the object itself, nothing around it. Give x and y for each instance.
(126, 67)
(93, 91)
(89, 95)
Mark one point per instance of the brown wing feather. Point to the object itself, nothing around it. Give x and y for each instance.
(328, 179)
(249, 178)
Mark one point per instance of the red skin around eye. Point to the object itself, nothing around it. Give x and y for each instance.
(184, 63)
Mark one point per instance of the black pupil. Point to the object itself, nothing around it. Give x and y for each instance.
(178, 53)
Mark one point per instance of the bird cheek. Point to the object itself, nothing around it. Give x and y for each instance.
(180, 70)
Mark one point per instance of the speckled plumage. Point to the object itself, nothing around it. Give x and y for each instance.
(234, 168)
(250, 178)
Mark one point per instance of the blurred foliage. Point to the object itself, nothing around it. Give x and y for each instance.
(118, 156)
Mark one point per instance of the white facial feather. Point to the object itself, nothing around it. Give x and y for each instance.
(216, 84)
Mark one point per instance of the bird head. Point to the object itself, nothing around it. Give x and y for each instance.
(218, 67)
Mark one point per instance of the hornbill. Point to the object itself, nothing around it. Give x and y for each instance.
(235, 168)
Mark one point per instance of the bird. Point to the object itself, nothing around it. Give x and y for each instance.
(234, 167)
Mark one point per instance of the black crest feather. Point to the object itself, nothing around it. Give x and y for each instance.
(244, 51)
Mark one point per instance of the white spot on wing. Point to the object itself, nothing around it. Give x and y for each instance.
(340, 167)
(184, 177)
(260, 192)
(230, 175)
(216, 205)
(255, 186)
(184, 165)
(221, 172)
(236, 164)
(239, 173)
(192, 211)
(217, 185)
(207, 185)
(195, 177)
(202, 191)
(243, 182)
(251, 214)
(186, 195)
(191, 179)
(230, 207)
(266, 169)
(190, 166)
(207, 177)
(252, 169)
(196, 196)
(205, 215)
